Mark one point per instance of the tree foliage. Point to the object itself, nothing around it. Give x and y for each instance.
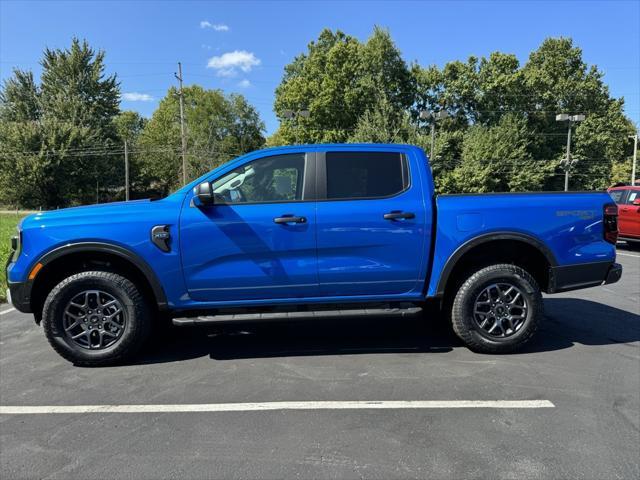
(218, 128)
(62, 136)
(500, 134)
(43, 127)
(338, 80)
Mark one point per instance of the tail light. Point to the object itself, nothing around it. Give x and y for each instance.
(611, 223)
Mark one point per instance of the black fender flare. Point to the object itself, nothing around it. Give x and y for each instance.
(485, 238)
(124, 253)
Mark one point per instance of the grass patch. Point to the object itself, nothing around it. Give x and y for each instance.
(8, 222)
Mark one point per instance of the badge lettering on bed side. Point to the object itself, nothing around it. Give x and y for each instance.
(583, 214)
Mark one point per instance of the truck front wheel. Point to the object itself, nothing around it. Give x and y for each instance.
(95, 318)
(497, 309)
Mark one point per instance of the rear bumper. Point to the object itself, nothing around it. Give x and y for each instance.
(584, 275)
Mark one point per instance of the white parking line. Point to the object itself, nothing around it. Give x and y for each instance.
(248, 407)
(627, 255)
(8, 311)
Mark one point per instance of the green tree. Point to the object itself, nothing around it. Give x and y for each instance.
(337, 81)
(383, 123)
(497, 159)
(555, 79)
(218, 128)
(129, 125)
(54, 137)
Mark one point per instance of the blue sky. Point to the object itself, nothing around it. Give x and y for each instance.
(242, 46)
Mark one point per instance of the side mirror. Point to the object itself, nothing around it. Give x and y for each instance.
(637, 202)
(203, 194)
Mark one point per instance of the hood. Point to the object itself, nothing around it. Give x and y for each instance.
(105, 211)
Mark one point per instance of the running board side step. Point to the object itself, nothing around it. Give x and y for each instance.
(312, 314)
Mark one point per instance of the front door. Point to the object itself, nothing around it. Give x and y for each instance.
(629, 215)
(259, 239)
(372, 224)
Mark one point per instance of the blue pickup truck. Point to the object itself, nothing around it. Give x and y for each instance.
(308, 231)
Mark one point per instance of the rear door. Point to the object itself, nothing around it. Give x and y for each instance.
(371, 223)
(259, 239)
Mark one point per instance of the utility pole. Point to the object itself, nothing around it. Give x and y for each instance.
(126, 171)
(635, 159)
(184, 140)
(568, 163)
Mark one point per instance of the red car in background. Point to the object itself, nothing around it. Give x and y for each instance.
(628, 200)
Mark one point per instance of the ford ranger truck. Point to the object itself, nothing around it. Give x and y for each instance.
(308, 231)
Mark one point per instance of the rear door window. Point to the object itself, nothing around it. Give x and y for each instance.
(633, 194)
(365, 175)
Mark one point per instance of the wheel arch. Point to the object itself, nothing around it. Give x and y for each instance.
(500, 247)
(75, 257)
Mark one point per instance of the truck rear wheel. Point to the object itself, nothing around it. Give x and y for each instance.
(95, 319)
(497, 309)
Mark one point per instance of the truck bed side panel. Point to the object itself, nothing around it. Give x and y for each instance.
(568, 224)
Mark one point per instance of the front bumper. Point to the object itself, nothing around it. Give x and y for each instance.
(19, 295)
(573, 277)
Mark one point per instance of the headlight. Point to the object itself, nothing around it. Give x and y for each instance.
(16, 244)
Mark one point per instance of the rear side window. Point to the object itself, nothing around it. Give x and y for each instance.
(362, 175)
(617, 195)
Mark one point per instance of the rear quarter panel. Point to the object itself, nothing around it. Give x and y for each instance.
(569, 224)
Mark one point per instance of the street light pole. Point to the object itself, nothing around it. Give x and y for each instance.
(635, 159)
(126, 171)
(564, 117)
(426, 115)
(568, 165)
(433, 140)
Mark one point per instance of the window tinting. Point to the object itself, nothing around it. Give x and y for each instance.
(365, 174)
(271, 179)
(617, 195)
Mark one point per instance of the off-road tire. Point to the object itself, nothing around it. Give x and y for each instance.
(462, 311)
(134, 334)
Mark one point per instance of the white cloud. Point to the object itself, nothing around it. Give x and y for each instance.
(218, 27)
(244, 83)
(137, 97)
(228, 64)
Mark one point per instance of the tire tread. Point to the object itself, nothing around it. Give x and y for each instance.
(140, 328)
(457, 313)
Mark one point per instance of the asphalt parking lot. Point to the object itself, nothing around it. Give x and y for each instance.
(585, 361)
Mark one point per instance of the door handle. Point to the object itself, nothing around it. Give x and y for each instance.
(399, 215)
(290, 219)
